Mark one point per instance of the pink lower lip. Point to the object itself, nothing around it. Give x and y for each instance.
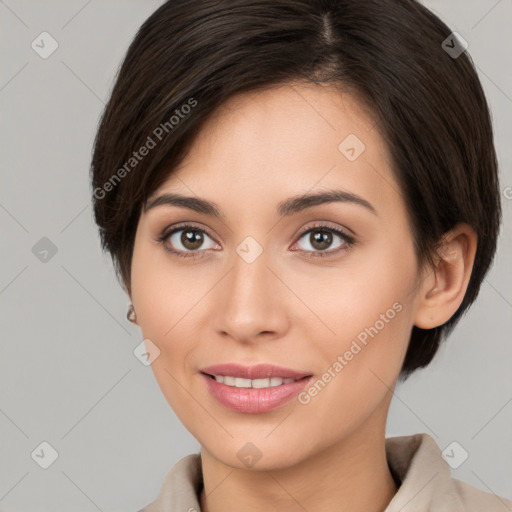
(254, 400)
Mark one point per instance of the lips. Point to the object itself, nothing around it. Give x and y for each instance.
(260, 371)
(243, 396)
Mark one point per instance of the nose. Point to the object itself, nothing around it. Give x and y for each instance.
(250, 302)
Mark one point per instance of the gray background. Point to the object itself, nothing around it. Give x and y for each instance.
(68, 375)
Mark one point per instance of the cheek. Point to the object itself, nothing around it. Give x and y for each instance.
(162, 300)
(369, 307)
(167, 299)
(158, 291)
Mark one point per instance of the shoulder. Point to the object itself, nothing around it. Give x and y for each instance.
(180, 487)
(426, 483)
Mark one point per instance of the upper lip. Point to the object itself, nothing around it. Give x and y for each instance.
(259, 371)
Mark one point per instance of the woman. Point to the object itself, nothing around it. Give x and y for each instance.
(301, 200)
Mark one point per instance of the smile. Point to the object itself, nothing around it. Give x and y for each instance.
(239, 382)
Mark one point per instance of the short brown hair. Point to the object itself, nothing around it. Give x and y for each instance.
(428, 101)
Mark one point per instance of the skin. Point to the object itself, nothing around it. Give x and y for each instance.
(287, 308)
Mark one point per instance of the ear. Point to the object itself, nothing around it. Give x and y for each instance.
(444, 286)
(131, 315)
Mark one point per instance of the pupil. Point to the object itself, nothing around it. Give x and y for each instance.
(321, 240)
(192, 239)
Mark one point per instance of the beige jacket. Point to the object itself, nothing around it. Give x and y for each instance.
(416, 461)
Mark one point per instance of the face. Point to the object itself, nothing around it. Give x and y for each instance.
(325, 288)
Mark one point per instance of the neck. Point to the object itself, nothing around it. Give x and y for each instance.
(352, 475)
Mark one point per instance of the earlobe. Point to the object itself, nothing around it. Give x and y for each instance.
(443, 288)
(131, 315)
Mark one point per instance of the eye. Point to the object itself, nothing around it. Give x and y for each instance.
(321, 237)
(185, 239)
(188, 241)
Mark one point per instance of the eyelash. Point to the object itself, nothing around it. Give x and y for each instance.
(349, 241)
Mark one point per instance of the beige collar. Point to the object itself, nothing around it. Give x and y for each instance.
(415, 461)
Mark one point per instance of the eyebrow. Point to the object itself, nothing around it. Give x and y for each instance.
(284, 208)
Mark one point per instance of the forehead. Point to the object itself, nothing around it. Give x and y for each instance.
(286, 140)
(283, 118)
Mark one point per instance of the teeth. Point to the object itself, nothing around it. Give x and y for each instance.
(265, 383)
(239, 382)
(242, 383)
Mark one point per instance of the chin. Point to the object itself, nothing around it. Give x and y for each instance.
(258, 453)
